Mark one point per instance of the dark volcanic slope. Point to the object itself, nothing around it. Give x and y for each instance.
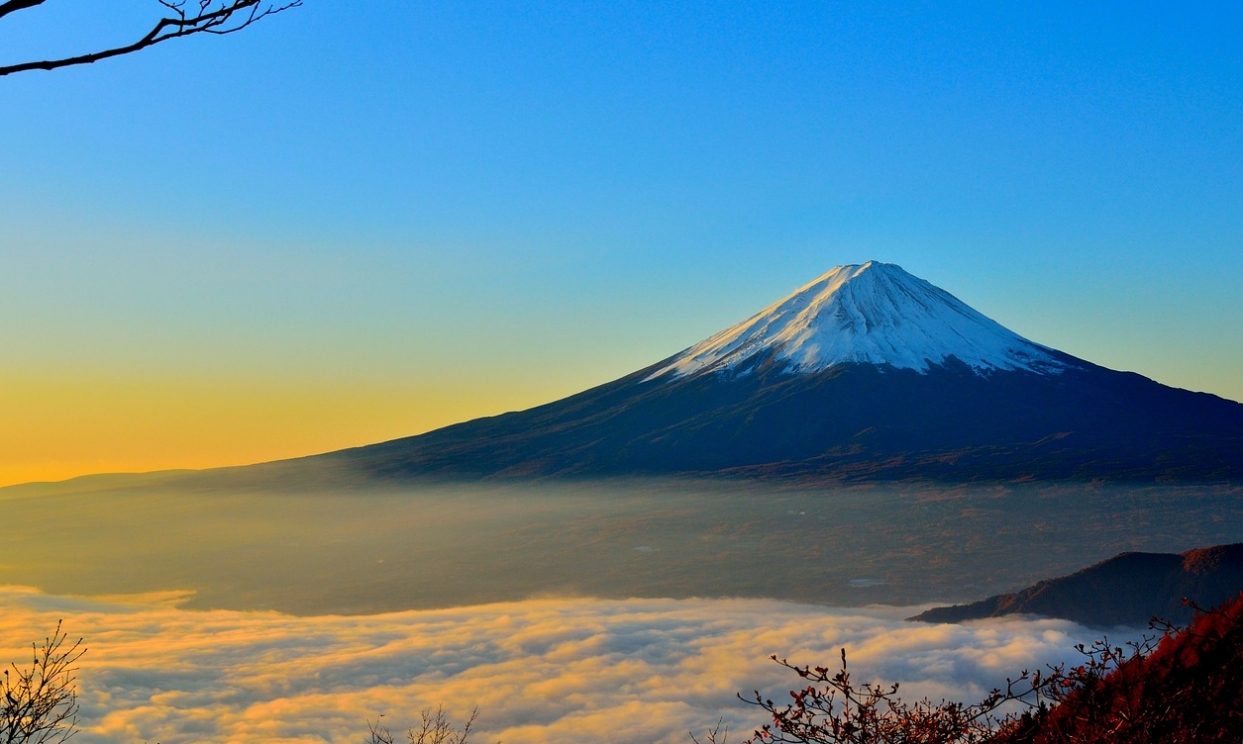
(866, 373)
(849, 422)
(1128, 589)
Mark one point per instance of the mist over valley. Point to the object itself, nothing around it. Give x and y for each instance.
(387, 548)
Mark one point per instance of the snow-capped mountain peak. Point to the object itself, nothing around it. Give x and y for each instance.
(872, 313)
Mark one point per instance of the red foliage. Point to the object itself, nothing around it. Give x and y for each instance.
(832, 709)
(1189, 689)
(1185, 688)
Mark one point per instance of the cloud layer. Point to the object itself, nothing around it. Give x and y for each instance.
(549, 670)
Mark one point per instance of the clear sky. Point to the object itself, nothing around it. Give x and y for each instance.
(357, 221)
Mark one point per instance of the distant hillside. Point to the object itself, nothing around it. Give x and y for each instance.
(1128, 589)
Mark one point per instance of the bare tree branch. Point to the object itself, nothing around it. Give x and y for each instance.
(205, 16)
(435, 729)
(38, 703)
(12, 6)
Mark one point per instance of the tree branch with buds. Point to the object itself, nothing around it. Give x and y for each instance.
(180, 18)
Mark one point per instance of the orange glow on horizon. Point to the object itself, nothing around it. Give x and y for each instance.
(59, 427)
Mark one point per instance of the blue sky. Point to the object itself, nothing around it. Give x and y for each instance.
(395, 215)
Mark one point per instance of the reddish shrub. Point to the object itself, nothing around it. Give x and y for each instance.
(1185, 686)
(1189, 689)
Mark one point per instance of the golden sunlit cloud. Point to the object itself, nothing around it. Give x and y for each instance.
(554, 670)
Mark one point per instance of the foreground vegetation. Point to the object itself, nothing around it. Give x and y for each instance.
(1183, 686)
(39, 702)
(1177, 686)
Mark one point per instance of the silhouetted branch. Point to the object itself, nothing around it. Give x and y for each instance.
(1182, 686)
(12, 6)
(712, 734)
(38, 704)
(832, 709)
(436, 728)
(204, 17)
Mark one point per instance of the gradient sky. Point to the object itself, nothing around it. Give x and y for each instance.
(357, 221)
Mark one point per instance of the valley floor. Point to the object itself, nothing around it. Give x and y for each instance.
(381, 550)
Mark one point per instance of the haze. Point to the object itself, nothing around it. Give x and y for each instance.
(628, 611)
(312, 550)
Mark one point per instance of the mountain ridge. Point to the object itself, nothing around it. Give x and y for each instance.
(748, 407)
(784, 395)
(1128, 589)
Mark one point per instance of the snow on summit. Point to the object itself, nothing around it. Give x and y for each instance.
(873, 313)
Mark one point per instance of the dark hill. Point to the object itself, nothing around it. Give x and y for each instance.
(1128, 589)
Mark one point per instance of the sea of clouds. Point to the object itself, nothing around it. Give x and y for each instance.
(543, 670)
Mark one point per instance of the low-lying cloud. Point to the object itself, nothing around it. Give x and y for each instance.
(547, 670)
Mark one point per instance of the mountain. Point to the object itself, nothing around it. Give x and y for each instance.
(866, 373)
(1128, 589)
(873, 314)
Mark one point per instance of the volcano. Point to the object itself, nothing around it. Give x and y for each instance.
(866, 373)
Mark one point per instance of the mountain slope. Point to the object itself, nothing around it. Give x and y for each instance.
(871, 313)
(1186, 690)
(1128, 589)
(866, 373)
